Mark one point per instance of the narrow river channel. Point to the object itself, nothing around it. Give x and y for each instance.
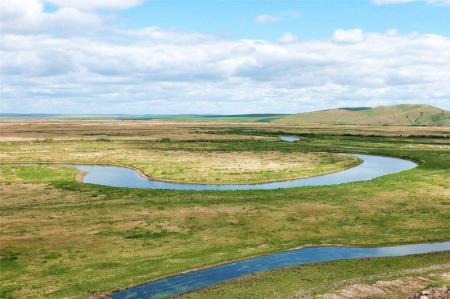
(190, 281)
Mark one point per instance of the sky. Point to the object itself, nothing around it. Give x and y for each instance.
(221, 56)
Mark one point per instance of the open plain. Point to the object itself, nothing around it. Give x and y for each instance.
(62, 238)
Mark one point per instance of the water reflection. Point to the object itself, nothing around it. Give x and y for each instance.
(289, 138)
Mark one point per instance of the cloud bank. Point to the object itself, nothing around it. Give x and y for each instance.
(73, 61)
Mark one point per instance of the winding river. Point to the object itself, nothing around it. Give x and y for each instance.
(370, 168)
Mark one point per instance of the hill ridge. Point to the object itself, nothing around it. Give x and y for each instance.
(403, 114)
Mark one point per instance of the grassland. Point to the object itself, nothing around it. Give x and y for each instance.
(61, 238)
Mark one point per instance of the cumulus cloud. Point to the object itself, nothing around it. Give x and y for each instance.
(152, 70)
(28, 16)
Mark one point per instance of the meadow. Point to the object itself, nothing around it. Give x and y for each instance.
(62, 238)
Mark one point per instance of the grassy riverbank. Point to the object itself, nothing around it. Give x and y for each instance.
(63, 238)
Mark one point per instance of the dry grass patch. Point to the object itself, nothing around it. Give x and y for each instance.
(195, 166)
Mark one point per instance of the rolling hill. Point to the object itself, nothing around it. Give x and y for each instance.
(403, 115)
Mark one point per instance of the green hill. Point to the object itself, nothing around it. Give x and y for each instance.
(404, 115)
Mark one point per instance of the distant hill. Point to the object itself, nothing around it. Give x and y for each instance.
(403, 115)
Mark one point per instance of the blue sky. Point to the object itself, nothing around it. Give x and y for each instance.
(307, 19)
(224, 57)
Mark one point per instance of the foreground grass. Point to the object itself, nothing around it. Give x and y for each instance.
(62, 238)
(332, 278)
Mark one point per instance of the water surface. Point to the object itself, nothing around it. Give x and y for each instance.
(289, 138)
(190, 281)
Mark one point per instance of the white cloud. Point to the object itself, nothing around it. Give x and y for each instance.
(348, 36)
(28, 16)
(288, 38)
(151, 73)
(10, 9)
(151, 70)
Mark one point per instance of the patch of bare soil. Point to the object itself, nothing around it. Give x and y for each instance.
(405, 287)
(381, 289)
(100, 296)
(433, 293)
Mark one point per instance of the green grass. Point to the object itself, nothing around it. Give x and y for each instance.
(61, 238)
(36, 173)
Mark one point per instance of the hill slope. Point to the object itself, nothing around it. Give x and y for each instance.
(406, 115)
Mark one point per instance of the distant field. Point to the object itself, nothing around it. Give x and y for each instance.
(23, 130)
(61, 238)
(178, 117)
(399, 115)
